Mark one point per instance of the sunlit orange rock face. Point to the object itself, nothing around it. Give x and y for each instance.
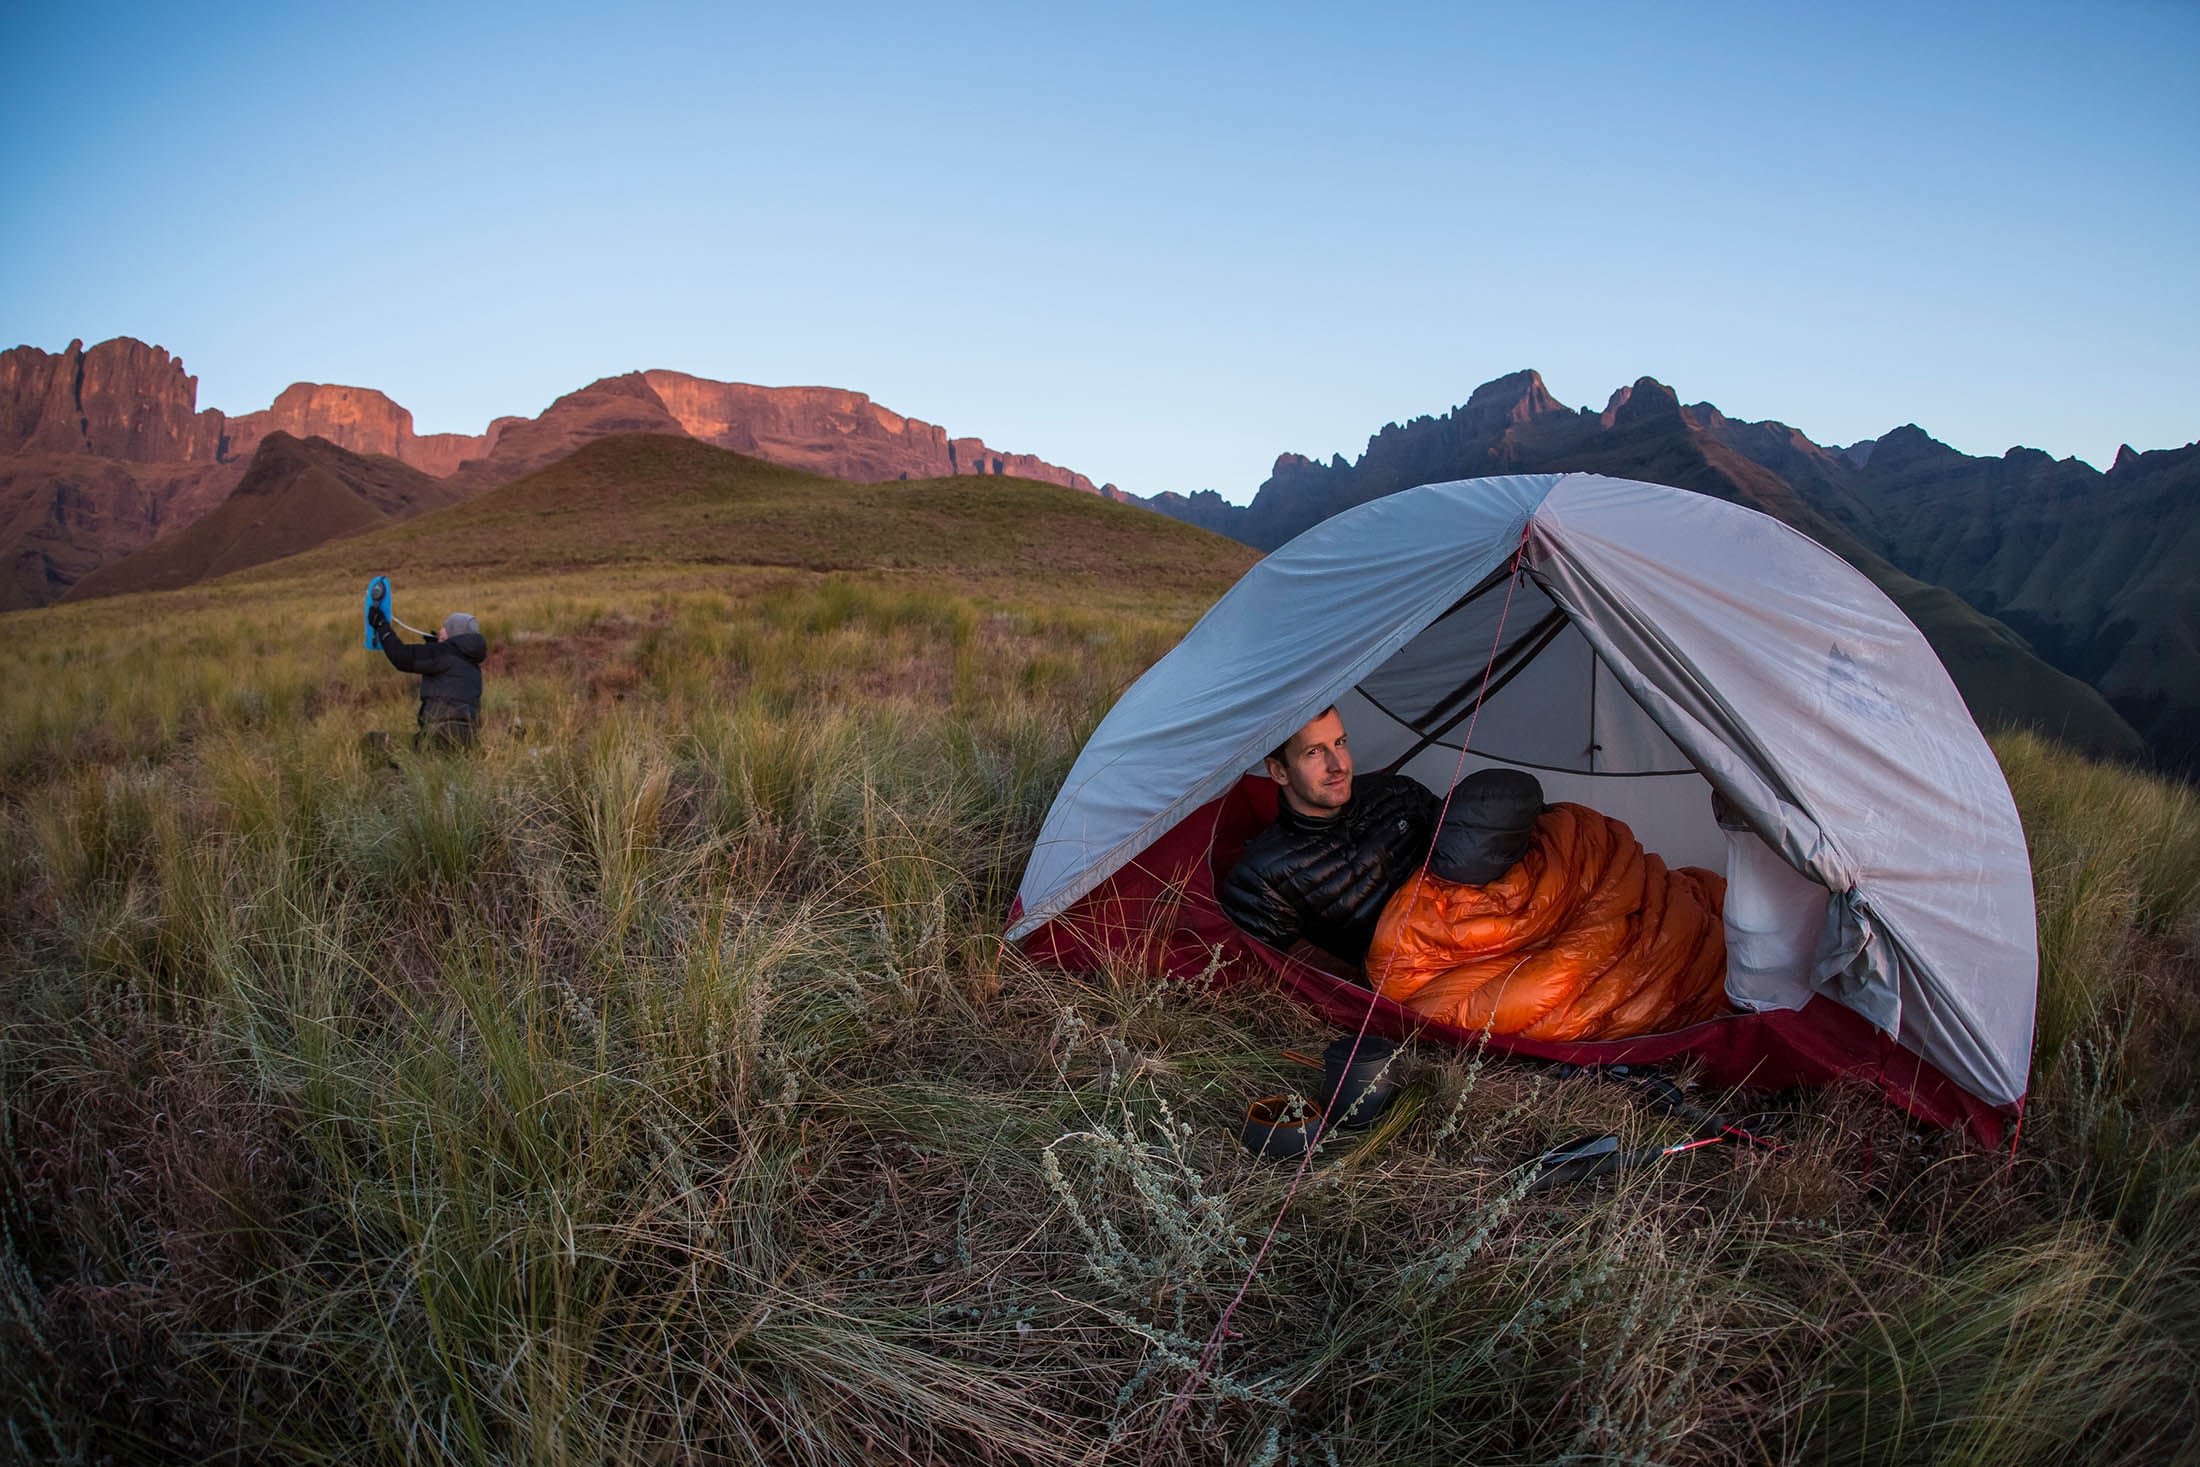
(841, 434)
(100, 450)
(121, 399)
(358, 418)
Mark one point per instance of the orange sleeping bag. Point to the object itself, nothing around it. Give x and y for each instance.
(1587, 937)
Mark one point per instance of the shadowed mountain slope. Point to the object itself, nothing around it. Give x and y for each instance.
(1514, 425)
(62, 516)
(296, 494)
(2099, 572)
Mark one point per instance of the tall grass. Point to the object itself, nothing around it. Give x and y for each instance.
(651, 1085)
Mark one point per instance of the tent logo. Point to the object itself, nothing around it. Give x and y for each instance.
(1851, 688)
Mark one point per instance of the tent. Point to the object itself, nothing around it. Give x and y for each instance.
(1637, 647)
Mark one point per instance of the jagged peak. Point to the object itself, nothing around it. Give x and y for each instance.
(624, 384)
(1645, 397)
(1523, 389)
(1502, 403)
(1907, 444)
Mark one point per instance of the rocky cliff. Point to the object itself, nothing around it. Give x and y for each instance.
(356, 418)
(121, 400)
(844, 435)
(520, 446)
(64, 515)
(100, 451)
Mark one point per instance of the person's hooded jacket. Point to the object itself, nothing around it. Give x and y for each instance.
(449, 670)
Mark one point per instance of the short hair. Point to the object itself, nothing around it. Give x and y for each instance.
(1277, 753)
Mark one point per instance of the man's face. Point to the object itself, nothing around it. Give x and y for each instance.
(1316, 768)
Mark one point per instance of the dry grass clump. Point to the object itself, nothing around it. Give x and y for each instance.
(652, 1086)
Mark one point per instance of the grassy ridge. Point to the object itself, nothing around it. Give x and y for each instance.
(653, 1086)
(650, 501)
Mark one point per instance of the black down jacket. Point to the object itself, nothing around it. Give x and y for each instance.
(1326, 880)
(449, 672)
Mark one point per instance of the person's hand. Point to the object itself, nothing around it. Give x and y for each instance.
(379, 620)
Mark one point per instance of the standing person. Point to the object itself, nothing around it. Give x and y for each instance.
(448, 665)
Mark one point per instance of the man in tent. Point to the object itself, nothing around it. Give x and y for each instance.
(1341, 846)
(448, 665)
(1337, 851)
(1551, 922)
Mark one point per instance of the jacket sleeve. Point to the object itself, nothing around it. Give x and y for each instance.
(417, 658)
(1258, 908)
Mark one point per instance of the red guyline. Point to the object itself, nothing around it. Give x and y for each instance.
(1222, 1325)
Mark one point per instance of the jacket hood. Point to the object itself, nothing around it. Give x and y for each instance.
(470, 645)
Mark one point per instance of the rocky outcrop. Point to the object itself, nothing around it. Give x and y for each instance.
(844, 435)
(295, 494)
(520, 446)
(121, 399)
(357, 418)
(819, 429)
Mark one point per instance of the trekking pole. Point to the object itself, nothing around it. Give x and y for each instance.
(1579, 1161)
(1668, 1097)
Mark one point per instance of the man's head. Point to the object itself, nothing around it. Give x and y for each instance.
(1314, 767)
(458, 623)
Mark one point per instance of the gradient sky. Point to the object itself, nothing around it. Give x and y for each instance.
(1158, 244)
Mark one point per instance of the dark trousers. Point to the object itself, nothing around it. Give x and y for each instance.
(446, 724)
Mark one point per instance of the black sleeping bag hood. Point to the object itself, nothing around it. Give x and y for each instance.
(1487, 827)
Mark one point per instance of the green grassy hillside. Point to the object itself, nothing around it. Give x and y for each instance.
(652, 1085)
(661, 502)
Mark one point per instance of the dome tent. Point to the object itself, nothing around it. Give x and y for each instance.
(1656, 645)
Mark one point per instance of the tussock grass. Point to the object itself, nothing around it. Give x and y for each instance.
(651, 1085)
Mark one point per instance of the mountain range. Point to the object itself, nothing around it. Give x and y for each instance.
(2059, 596)
(104, 450)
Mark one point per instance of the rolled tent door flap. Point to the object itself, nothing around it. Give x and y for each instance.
(1804, 693)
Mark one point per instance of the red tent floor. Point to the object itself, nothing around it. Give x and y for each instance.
(1161, 909)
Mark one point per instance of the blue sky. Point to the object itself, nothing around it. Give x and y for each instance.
(1159, 244)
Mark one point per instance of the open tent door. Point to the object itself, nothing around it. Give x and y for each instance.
(1551, 707)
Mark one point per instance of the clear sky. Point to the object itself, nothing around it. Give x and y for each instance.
(1158, 244)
